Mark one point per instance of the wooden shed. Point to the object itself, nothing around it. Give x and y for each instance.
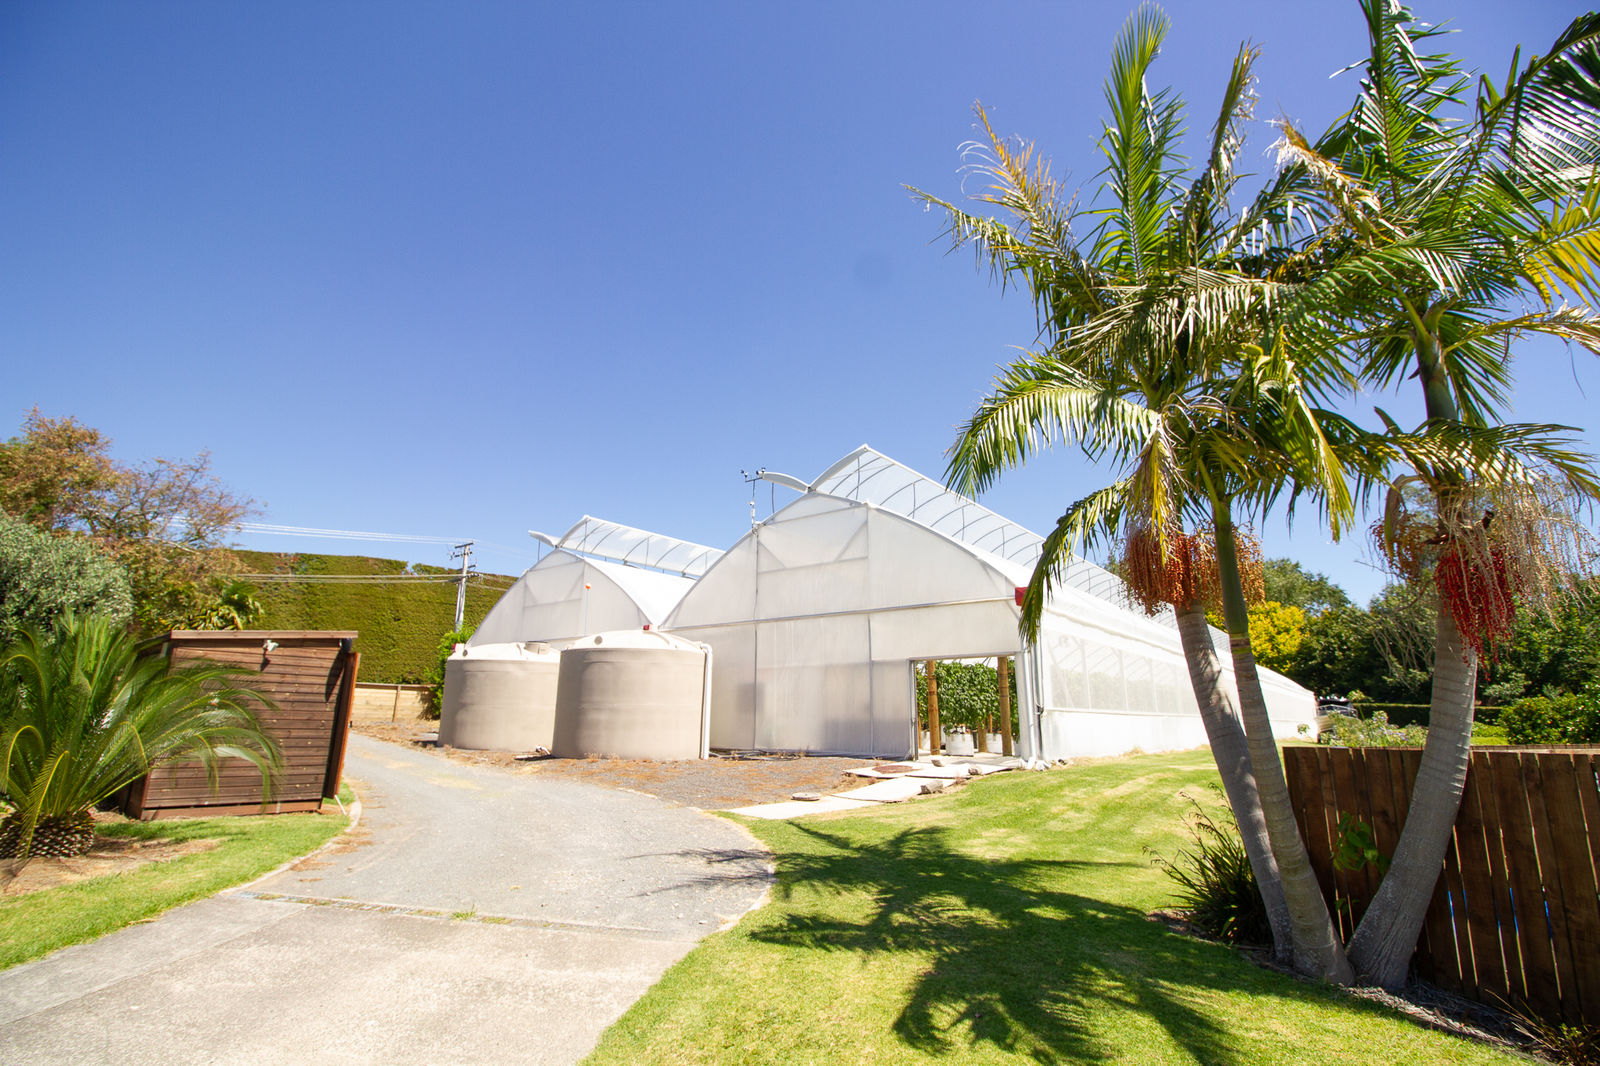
(310, 676)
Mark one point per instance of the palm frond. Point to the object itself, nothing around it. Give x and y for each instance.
(1038, 402)
(1098, 515)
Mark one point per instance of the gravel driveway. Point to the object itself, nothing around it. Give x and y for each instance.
(475, 916)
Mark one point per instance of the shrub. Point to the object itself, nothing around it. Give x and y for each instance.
(1217, 889)
(1375, 732)
(1484, 733)
(1559, 719)
(43, 575)
(434, 674)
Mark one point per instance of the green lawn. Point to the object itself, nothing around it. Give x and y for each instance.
(1003, 922)
(40, 922)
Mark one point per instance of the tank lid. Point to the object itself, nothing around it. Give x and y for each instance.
(524, 652)
(635, 638)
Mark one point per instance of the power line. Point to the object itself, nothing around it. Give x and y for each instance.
(344, 534)
(504, 580)
(382, 538)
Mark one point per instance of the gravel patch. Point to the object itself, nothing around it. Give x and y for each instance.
(714, 784)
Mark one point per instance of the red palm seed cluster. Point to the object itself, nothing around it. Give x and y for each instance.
(1476, 587)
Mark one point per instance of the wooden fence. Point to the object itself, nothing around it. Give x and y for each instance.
(390, 703)
(1515, 917)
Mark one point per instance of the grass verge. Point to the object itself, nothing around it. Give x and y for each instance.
(1005, 921)
(40, 922)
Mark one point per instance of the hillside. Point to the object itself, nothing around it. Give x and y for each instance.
(399, 624)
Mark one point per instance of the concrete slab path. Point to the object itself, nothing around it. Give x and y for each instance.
(905, 781)
(475, 916)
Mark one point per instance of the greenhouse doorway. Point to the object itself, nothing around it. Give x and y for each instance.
(965, 706)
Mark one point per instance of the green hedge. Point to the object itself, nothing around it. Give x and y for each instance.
(400, 624)
(1402, 715)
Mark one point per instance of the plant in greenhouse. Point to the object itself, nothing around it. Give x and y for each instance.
(82, 714)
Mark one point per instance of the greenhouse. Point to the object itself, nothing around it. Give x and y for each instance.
(599, 576)
(819, 614)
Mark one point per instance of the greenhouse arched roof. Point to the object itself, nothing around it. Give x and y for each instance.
(869, 476)
(637, 547)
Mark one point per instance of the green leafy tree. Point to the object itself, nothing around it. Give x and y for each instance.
(43, 576)
(1550, 652)
(166, 521)
(1287, 582)
(82, 714)
(1338, 653)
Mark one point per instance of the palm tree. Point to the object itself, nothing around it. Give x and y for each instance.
(236, 606)
(82, 714)
(1155, 360)
(1442, 227)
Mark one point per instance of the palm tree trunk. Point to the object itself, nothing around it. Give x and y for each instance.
(1228, 748)
(1318, 951)
(1387, 936)
(1384, 942)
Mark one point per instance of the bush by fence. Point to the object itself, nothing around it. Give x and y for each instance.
(1561, 719)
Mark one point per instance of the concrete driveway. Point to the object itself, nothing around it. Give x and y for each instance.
(475, 916)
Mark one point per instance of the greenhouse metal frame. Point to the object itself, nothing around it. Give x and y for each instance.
(819, 614)
(595, 580)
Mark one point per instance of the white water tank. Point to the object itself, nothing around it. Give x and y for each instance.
(499, 697)
(633, 695)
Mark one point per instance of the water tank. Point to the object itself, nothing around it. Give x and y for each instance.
(632, 695)
(499, 697)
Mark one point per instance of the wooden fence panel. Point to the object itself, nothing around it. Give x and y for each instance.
(1574, 880)
(1549, 881)
(1477, 882)
(1311, 813)
(1480, 781)
(1515, 916)
(1538, 961)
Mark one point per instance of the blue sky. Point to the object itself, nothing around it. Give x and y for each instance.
(470, 269)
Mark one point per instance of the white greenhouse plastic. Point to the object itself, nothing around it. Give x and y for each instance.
(595, 579)
(818, 615)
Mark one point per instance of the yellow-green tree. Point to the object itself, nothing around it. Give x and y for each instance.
(1276, 632)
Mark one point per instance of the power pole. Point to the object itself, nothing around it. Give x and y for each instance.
(464, 553)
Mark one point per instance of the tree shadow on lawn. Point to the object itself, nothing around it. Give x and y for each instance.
(1018, 963)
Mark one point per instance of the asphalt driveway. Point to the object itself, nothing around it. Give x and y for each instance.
(475, 916)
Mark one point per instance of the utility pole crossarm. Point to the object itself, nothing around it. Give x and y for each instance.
(463, 552)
